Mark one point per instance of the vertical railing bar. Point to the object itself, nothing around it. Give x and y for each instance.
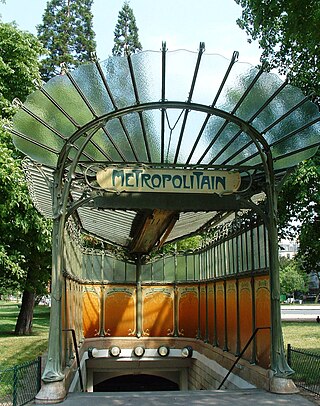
(163, 95)
(195, 74)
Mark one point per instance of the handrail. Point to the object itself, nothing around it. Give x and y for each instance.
(241, 353)
(74, 339)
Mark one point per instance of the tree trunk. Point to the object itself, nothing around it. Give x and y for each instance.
(24, 321)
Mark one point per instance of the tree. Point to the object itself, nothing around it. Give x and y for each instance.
(19, 65)
(292, 277)
(24, 234)
(299, 206)
(126, 38)
(67, 34)
(288, 33)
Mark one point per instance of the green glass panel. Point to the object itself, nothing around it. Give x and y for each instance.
(190, 267)
(169, 268)
(249, 250)
(181, 268)
(108, 264)
(87, 266)
(65, 94)
(119, 272)
(262, 245)
(97, 267)
(130, 272)
(197, 267)
(157, 270)
(146, 272)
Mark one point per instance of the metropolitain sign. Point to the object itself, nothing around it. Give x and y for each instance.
(140, 180)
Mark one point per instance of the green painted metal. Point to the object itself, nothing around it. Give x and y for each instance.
(107, 113)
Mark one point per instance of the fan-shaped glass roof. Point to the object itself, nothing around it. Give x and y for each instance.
(161, 109)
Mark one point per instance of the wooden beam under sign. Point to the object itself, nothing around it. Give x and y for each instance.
(154, 230)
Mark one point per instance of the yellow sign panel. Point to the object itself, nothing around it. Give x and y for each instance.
(140, 180)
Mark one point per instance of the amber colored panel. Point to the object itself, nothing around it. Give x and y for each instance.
(90, 314)
(188, 311)
(119, 312)
(245, 316)
(157, 311)
(203, 312)
(231, 289)
(220, 314)
(263, 319)
(210, 312)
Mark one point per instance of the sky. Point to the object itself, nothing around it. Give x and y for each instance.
(181, 23)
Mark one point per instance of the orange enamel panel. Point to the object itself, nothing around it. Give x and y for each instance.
(220, 314)
(210, 312)
(245, 315)
(157, 311)
(90, 314)
(188, 311)
(119, 312)
(203, 312)
(263, 319)
(232, 315)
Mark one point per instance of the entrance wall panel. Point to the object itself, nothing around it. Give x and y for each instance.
(245, 316)
(211, 320)
(203, 312)
(188, 311)
(119, 315)
(263, 319)
(157, 311)
(220, 314)
(90, 313)
(231, 296)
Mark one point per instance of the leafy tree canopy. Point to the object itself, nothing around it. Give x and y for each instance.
(25, 249)
(19, 65)
(292, 277)
(126, 38)
(67, 34)
(288, 33)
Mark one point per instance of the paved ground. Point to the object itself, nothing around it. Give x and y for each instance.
(246, 397)
(300, 313)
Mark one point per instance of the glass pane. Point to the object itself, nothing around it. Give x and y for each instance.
(190, 267)
(169, 268)
(158, 271)
(181, 268)
(130, 272)
(108, 264)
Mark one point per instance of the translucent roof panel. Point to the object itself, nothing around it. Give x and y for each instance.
(165, 109)
(142, 109)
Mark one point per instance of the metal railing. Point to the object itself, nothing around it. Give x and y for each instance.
(20, 384)
(307, 368)
(241, 354)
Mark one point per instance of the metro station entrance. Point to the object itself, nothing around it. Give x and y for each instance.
(130, 156)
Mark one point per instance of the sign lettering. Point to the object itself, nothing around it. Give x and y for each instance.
(168, 180)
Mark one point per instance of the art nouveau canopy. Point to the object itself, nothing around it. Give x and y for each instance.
(160, 111)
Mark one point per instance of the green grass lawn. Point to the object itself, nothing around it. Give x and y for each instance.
(303, 335)
(16, 350)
